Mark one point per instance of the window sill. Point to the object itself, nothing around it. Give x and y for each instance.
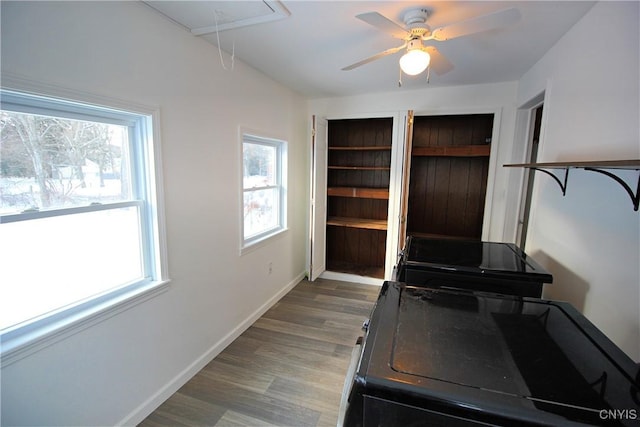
(256, 244)
(23, 341)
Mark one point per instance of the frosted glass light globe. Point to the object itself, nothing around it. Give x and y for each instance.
(414, 62)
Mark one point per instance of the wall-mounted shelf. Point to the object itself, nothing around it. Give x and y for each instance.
(601, 167)
(368, 224)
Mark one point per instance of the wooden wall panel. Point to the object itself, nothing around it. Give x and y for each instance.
(358, 178)
(360, 132)
(471, 129)
(356, 251)
(357, 208)
(379, 158)
(447, 193)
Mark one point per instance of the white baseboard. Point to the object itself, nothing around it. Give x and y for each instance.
(153, 402)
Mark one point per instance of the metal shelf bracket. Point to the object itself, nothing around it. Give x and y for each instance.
(562, 184)
(601, 167)
(635, 198)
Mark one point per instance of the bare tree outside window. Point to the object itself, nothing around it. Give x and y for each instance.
(79, 225)
(50, 162)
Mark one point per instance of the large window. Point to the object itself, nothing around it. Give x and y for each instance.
(78, 210)
(264, 195)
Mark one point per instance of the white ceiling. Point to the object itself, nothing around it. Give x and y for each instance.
(304, 44)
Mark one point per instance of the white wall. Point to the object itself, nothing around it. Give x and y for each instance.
(118, 370)
(590, 239)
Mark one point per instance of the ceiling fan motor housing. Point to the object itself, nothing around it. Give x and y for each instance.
(416, 22)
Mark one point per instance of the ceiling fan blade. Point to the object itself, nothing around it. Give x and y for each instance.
(384, 24)
(374, 57)
(439, 63)
(488, 22)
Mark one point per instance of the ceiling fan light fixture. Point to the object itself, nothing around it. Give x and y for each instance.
(414, 62)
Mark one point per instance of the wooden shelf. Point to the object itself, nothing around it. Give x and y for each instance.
(366, 148)
(369, 224)
(453, 151)
(360, 168)
(605, 164)
(359, 192)
(593, 166)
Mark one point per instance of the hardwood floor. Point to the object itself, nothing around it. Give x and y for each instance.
(287, 369)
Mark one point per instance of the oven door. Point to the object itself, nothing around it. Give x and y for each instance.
(348, 382)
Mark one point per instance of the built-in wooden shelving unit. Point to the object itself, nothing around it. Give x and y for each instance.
(358, 174)
(601, 167)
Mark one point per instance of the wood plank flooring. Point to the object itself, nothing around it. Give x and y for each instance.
(287, 369)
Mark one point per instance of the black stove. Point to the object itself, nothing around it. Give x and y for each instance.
(475, 265)
(442, 357)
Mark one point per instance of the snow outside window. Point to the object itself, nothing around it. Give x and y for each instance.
(264, 195)
(78, 209)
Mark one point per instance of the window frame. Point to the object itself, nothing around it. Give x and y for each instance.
(144, 149)
(256, 240)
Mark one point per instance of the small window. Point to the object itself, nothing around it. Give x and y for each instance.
(78, 209)
(264, 195)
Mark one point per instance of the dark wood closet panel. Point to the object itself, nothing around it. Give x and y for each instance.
(358, 172)
(448, 177)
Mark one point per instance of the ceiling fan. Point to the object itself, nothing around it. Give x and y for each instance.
(416, 31)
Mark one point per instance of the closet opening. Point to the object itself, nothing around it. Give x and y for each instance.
(358, 174)
(448, 176)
